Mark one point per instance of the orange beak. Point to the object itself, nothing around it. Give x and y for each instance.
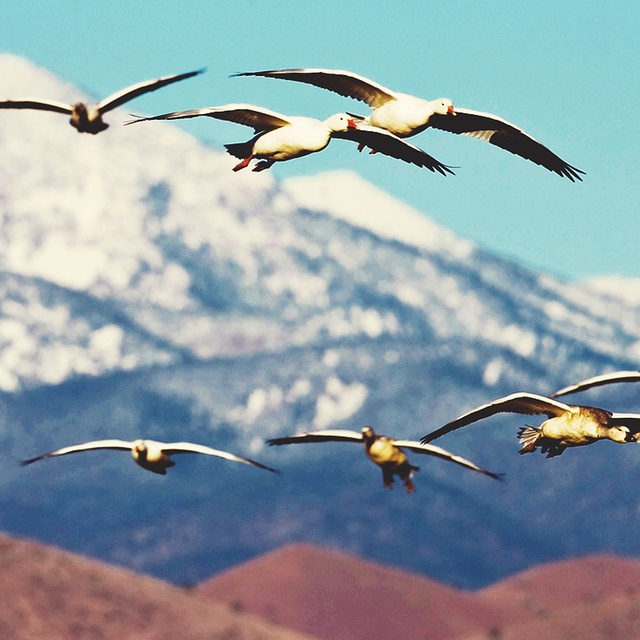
(351, 124)
(451, 110)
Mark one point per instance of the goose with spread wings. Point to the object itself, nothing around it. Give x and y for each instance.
(151, 455)
(280, 137)
(598, 381)
(566, 425)
(384, 451)
(406, 115)
(87, 118)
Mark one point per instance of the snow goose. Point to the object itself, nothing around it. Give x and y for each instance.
(567, 425)
(87, 118)
(149, 454)
(279, 137)
(597, 381)
(406, 115)
(384, 451)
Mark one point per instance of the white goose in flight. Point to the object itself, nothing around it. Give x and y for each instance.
(566, 426)
(384, 451)
(87, 118)
(406, 115)
(149, 454)
(597, 381)
(279, 137)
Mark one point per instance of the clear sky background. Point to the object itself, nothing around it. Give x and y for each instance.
(566, 72)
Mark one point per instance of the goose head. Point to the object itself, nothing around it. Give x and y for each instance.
(621, 434)
(443, 107)
(341, 122)
(368, 434)
(87, 118)
(139, 449)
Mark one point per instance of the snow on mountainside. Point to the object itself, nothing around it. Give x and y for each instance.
(209, 263)
(146, 289)
(625, 289)
(347, 196)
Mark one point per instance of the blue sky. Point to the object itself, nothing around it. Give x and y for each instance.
(565, 72)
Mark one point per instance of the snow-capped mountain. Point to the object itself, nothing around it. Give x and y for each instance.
(149, 290)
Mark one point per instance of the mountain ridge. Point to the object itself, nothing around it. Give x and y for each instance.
(305, 591)
(149, 291)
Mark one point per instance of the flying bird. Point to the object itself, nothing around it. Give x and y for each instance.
(597, 381)
(279, 137)
(406, 115)
(87, 118)
(384, 451)
(566, 426)
(149, 454)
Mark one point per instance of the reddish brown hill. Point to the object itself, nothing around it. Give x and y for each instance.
(591, 598)
(616, 617)
(341, 597)
(586, 580)
(48, 593)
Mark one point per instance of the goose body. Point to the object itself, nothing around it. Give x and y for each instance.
(87, 118)
(383, 451)
(566, 425)
(597, 381)
(151, 455)
(406, 115)
(280, 137)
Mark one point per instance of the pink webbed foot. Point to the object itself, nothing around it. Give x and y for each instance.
(243, 163)
(409, 486)
(262, 165)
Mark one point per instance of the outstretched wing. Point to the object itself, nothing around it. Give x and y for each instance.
(247, 114)
(526, 403)
(87, 446)
(342, 82)
(389, 144)
(328, 435)
(432, 450)
(597, 381)
(503, 134)
(42, 105)
(135, 90)
(189, 447)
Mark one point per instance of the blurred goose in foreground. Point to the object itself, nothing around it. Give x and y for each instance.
(406, 115)
(567, 425)
(597, 381)
(87, 118)
(384, 451)
(279, 137)
(149, 454)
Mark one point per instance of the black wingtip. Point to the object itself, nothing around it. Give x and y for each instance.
(136, 118)
(244, 74)
(573, 173)
(447, 169)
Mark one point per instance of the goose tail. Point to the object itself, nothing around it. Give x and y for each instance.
(528, 437)
(240, 150)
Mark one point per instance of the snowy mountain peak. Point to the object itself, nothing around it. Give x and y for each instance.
(22, 78)
(349, 197)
